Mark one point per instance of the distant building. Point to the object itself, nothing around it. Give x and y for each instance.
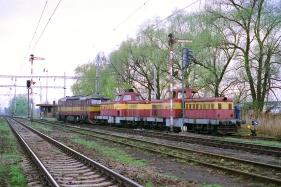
(48, 110)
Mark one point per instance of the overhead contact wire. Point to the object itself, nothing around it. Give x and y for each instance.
(160, 20)
(46, 25)
(173, 14)
(34, 33)
(131, 15)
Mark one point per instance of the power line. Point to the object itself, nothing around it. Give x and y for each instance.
(34, 34)
(172, 15)
(46, 26)
(55, 77)
(131, 15)
(162, 19)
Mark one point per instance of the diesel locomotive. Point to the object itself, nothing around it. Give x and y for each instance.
(130, 109)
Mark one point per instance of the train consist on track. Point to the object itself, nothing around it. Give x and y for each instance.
(129, 109)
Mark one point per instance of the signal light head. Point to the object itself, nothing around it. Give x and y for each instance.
(175, 73)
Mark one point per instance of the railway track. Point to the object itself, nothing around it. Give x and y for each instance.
(62, 166)
(194, 139)
(265, 172)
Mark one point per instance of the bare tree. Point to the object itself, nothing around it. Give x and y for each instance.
(256, 25)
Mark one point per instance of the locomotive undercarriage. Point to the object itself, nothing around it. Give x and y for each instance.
(132, 122)
(73, 119)
(214, 129)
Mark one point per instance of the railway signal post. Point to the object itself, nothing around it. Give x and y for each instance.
(172, 40)
(31, 59)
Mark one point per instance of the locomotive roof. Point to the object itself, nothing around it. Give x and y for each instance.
(211, 99)
(129, 91)
(95, 96)
(80, 97)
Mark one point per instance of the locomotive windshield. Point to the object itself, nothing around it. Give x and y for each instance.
(127, 98)
(95, 102)
(118, 98)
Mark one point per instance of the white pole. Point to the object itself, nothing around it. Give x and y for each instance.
(40, 92)
(47, 88)
(15, 98)
(31, 85)
(64, 84)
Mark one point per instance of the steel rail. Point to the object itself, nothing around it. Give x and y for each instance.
(51, 181)
(114, 175)
(264, 178)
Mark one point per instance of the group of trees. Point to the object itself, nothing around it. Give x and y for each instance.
(236, 47)
(18, 105)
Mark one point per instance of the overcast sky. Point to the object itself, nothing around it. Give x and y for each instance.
(77, 31)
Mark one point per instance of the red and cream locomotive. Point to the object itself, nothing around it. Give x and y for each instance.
(129, 109)
(211, 115)
(80, 108)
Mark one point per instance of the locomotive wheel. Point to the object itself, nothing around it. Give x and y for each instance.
(214, 130)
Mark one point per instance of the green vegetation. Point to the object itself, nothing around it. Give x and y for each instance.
(10, 168)
(212, 185)
(21, 105)
(40, 127)
(149, 184)
(262, 142)
(111, 152)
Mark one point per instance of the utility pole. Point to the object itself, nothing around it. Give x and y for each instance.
(98, 74)
(15, 98)
(155, 87)
(172, 40)
(45, 70)
(64, 92)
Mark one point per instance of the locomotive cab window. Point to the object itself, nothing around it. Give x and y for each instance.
(138, 98)
(105, 100)
(167, 95)
(95, 102)
(127, 98)
(118, 98)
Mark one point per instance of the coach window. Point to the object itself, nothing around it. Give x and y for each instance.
(219, 105)
(127, 98)
(230, 106)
